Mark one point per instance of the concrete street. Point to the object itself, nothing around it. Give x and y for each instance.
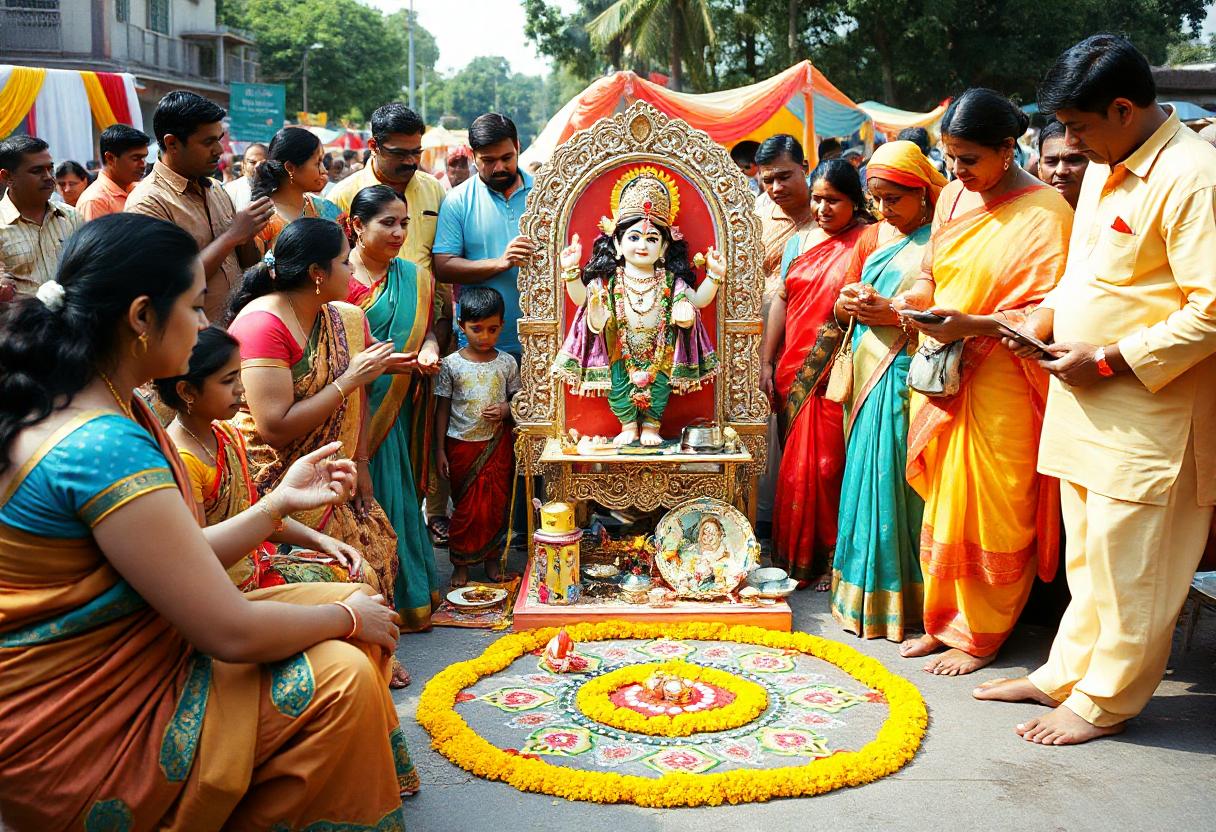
(972, 772)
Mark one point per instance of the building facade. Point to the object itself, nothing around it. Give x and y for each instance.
(165, 44)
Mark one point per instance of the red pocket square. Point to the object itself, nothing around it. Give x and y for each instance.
(1121, 226)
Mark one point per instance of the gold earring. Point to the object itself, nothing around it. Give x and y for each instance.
(189, 404)
(291, 177)
(317, 286)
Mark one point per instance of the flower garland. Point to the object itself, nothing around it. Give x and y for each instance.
(641, 398)
(750, 701)
(890, 750)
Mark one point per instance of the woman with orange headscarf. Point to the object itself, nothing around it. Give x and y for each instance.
(876, 579)
(999, 244)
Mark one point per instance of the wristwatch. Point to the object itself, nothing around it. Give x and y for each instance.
(1104, 369)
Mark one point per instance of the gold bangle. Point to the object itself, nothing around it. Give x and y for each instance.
(571, 275)
(266, 506)
(354, 618)
(363, 459)
(341, 392)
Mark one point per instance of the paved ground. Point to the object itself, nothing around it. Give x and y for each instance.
(972, 772)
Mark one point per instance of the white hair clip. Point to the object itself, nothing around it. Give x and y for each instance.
(52, 295)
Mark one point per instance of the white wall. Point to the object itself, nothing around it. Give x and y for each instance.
(76, 26)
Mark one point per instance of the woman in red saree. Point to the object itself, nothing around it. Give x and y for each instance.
(803, 331)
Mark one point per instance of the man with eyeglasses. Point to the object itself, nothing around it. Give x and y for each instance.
(396, 146)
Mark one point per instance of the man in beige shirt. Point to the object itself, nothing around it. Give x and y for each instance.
(1129, 426)
(32, 228)
(189, 129)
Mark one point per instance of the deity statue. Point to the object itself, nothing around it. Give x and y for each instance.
(638, 335)
(712, 567)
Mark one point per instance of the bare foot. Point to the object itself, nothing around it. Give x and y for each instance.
(626, 436)
(493, 571)
(650, 437)
(400, 678)
(955, 662)
(920, 646)
(1063, 727)
(460, 576)
(823, 583)
(1013, 690)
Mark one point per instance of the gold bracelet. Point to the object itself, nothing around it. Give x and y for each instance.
(341, 392)
(571, 275)
(354, 618)
(363, 459)
(266, 506)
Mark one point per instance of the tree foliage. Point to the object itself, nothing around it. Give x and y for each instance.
(360, 64)
(908, 53)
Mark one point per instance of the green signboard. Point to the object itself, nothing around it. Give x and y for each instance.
(257, 111)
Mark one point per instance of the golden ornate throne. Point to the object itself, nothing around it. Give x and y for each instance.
(570, 194)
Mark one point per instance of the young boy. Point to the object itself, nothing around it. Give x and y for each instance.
(476, 451)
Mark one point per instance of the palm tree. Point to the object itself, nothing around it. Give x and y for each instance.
(675, 31)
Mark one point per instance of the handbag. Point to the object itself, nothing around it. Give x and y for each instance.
(937, 369)
(840, 379)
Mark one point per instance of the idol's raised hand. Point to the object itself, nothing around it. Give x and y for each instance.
(314, 480)
(715, 264)
(571, 255)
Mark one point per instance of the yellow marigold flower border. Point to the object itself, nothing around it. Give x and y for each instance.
(893, 747)
(749, 702)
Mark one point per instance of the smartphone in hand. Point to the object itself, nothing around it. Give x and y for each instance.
(922, 317)
(1026, 340)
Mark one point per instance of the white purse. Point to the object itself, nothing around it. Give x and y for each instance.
(936, 368)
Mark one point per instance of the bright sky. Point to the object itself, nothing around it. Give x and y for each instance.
(466, 29)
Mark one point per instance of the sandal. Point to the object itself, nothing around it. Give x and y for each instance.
(439, 527)
(401, 676)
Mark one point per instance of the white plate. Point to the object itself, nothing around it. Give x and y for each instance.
(456, 596)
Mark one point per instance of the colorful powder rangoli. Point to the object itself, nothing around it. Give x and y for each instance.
(754, 714)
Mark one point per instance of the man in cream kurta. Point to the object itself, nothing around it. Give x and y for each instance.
(1130, 426)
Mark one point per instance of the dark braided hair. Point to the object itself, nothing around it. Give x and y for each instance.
(48, 355)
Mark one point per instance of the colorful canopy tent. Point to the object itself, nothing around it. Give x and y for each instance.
(891, 120)
(61, 106)
(799, 101)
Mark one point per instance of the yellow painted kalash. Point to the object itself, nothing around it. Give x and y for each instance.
(556, 557)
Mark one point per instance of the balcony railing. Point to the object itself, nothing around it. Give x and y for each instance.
(30, 30)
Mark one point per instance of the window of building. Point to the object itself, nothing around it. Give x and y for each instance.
(122, 10)
(158, 16)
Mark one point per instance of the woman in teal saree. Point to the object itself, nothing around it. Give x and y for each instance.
(397, 297)
(876, 582)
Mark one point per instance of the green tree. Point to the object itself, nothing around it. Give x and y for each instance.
(565, 37)
(360, 63)
(677, 31)
(1192, 51)
(487, 85)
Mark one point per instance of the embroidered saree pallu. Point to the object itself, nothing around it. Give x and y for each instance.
(398, 309)
(876, 584)
(989, 516)
(340, 334)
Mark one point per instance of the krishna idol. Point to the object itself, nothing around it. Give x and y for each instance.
(637, 334)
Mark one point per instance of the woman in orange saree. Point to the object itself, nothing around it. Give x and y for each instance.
(802, 326)
(134, 696)
(304, 384)
(999, 244)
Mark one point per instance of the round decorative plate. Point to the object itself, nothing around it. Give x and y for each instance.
(705, 548)
(460, 598)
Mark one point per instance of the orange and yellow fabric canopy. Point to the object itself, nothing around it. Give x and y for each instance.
(799, 101)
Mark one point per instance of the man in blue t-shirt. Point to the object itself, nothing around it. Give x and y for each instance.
(477, 239)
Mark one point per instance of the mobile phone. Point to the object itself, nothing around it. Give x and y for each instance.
(1026, 340)
(922, 317)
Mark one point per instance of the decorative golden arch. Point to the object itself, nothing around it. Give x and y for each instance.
(639, 136)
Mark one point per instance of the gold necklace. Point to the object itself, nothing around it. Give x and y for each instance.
(199, 442)
(123, 406)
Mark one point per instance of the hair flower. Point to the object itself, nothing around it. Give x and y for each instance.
(607, 225)
(268, 259)
(52, 295)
